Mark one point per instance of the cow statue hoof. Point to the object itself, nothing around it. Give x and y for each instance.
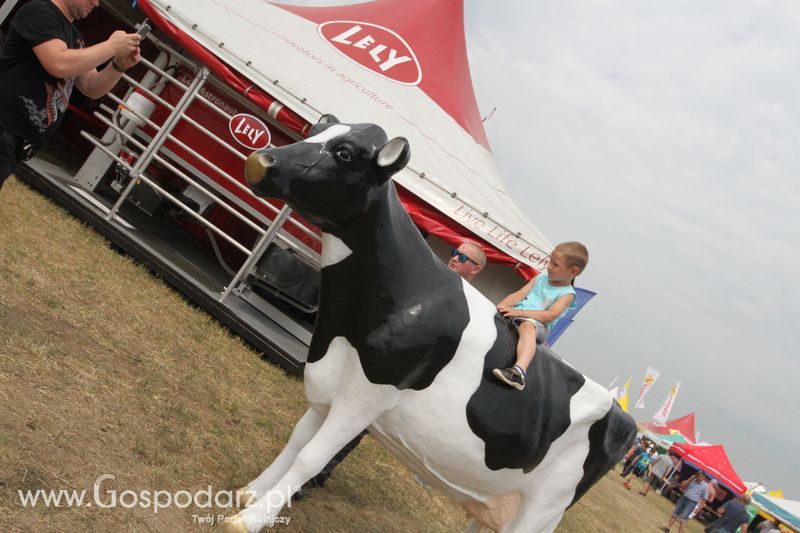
(234, 524)
(245, 498)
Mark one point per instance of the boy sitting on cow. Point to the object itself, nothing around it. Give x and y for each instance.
(539, 304)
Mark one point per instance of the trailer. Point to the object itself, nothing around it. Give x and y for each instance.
(157, 165)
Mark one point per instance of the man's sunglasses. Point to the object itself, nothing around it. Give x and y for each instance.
(462, 257)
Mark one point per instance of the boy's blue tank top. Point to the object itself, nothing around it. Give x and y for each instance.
(543, 295)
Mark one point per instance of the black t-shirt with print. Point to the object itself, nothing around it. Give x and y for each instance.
(32, 102)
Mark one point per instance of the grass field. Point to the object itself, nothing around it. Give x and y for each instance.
(105, 370)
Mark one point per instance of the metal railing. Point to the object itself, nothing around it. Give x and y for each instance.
(239, 202)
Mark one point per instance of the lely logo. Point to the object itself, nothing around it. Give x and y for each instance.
(375, 48)
(249, 131)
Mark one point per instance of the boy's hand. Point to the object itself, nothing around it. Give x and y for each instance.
(508, 312)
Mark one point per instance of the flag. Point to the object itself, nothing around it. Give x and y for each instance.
(582, 296)
(650, 377)
(663, 411)
(623, 400)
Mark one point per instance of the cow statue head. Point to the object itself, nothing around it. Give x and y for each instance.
(332, 176)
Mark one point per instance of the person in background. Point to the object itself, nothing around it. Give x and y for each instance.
(659, 469)
(43, 57)
(695, 492)
(767, 526)
(712, 495)
(641, 467)
(632, 455)
(734, 514)
(467, 260)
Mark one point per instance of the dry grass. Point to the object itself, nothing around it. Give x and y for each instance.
(105, 370)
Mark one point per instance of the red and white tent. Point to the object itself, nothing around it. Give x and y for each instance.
(684, 425)
(713, 461)
(401, 64)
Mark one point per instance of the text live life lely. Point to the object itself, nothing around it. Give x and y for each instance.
(499, 236)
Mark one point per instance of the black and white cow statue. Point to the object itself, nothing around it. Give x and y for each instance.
(405, 347)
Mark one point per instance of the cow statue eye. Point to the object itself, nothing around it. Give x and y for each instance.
(344, 155)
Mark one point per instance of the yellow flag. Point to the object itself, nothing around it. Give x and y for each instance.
(623, 400)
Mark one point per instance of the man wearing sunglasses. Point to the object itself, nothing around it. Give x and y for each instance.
(467, 260)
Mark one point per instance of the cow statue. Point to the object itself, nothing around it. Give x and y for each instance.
(405, 347)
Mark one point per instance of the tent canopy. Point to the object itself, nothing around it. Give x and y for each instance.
(676, 437)
(401, 64)
(713, 461)
(787, 511)
(683, 425)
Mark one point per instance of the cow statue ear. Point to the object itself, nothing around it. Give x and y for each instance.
(393, 156)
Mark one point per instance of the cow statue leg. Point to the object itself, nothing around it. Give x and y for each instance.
(348, 416)
(303, 432)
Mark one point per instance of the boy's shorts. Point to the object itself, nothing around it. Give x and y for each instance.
(541, 329)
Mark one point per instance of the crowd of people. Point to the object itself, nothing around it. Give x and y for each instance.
(696, 494)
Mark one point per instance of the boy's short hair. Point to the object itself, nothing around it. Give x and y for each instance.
(575, 254)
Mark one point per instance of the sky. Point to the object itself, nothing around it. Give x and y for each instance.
(665, 136)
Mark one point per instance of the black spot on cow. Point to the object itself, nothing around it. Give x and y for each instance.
(609, 439)
(518, 427)
(404, 312)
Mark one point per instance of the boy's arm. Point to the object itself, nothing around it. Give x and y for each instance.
(546, 316)
(512, 299)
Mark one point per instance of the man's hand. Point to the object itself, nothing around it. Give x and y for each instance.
(127, 61)
(124, 44)
(126, 54)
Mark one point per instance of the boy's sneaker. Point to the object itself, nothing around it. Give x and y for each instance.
(511, 376)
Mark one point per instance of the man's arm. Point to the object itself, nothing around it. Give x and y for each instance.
(62, 62)
(95, 84)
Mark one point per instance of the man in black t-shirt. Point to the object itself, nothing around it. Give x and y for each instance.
(43, 57)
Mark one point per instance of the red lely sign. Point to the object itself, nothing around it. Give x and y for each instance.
(249, 131)
(375, 48)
